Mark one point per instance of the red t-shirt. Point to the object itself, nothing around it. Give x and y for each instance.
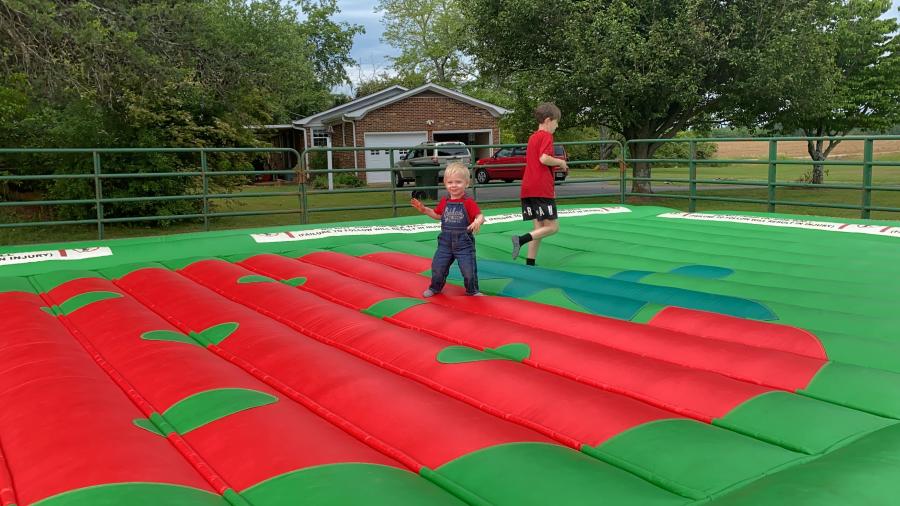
(468, 202)
(538, 178)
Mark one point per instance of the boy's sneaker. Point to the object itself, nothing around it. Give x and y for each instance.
(476, 294)
(427, 293)
(516, 246)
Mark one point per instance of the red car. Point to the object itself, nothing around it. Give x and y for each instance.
(508, 164)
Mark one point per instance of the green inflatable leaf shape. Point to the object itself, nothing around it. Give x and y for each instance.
(147, 425)
(294, 281)
(52, 311)
(513, 351)
(373, 485)
(83, 299)
(217, 333)
(390, 307)
(542, 473)
(516, 352)
(168, 335)
(134, 494)
(253, 278)
(205, 407)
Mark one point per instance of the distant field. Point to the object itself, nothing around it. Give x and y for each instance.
(797, 149)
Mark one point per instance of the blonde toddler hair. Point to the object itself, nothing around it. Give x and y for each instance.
(458, 169)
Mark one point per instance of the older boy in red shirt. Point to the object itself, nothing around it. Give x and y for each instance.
(538, 193)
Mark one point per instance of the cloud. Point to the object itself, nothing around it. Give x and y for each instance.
(370, 53)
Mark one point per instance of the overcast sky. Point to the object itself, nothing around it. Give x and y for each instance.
(368, 50)
(372, 55)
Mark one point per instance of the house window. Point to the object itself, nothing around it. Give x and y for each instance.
(319, 137)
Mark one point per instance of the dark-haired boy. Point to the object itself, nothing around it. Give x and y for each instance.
(538, 192)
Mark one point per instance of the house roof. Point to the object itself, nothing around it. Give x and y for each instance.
(357, 109)
(270, 127)
(359, 112)
(319, 119)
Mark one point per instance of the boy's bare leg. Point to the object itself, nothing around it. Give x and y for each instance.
(542, 228)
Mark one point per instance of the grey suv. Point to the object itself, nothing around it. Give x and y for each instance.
(429, 154)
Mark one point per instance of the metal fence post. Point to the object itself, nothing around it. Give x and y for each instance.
(203, 168)
(692, 176)
(773, 174)
(304, 174)
(393, 182)
(622, 157)
(98, 193)
(867, 177)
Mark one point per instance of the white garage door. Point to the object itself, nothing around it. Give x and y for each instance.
(380, 158)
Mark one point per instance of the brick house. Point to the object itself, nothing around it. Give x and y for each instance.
(398, 117)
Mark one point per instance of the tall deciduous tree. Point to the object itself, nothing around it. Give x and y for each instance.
(429, 35)
(383, 80)
(645, 68)
(114, 73)
(857, 80)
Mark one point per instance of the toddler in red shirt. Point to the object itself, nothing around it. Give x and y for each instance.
(460, 220)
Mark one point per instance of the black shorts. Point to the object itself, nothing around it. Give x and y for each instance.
(538, 208)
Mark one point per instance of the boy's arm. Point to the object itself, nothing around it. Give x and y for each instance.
(552, 161)
(472, 209)
(546, 150)
(427, 211)
(476, 224)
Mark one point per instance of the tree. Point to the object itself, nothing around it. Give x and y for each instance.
(429, 35)
(383, 81)
(159, 73)
(647, 69)
(858, 81)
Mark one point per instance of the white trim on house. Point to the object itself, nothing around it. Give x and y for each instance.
(270, 127)
(356, 153)
(360, 112)
(319, 119)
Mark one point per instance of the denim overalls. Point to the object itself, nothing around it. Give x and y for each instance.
(456, 242)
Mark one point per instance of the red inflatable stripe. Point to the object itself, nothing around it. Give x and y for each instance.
(572, 358)
(741, 350)
(63, 420)
(447, 429)
(402, 261)
(92, 311)
(513, 392)
(408, 284)
(7, 494)
(772, 336)
(263, 442)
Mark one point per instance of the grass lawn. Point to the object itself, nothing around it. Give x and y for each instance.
(740, 172)
(759, 171)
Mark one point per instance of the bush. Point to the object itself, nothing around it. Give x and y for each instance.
(583, 152)
(147, 186)
(682, 150)
(341, 180)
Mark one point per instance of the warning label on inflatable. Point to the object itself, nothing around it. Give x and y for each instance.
(56, 254)
(853, 228)
(319, 233)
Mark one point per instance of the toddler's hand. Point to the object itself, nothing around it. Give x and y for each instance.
(475, 226)
(418, 205)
